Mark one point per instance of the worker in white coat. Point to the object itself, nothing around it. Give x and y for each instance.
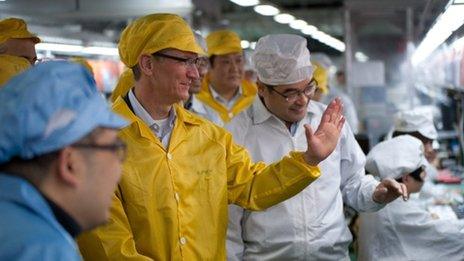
(311, 225)
(404, 230)
(419, 124)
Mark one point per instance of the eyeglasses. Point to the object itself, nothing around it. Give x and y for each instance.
(119, 148)
(197, 61)
(416, 175)
(292, 96)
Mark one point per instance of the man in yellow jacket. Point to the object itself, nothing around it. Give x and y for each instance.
(182, 171)
(224, 88)
(16, 40)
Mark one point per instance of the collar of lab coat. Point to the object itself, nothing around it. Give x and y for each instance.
(260, 113)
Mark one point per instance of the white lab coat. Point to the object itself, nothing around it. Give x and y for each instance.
(405, 231)
(311, 225)
(205, 111)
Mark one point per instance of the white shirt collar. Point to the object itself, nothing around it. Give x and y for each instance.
(223, 101)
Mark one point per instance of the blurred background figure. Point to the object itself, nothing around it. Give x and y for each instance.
(11, 66)
(193, 103)
(404, 230)
(60, 161)
(224, 88)
(16, 40)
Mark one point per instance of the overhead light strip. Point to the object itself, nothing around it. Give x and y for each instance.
(448, 22)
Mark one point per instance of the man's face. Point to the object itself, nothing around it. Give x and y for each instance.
(227, 70)
(102, 173)
(414, 184)
(23, 48)
(202, 70)
(429, 152)
(289, 110)
(173, 78)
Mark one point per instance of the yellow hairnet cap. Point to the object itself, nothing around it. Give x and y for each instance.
(11, 66)
(84, 63)
(15, 28)
(321, 76)
(125, 83)
(153, 33)
(223, 42)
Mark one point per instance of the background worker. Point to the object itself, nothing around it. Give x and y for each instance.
(404, 230)
(60, 160)
(193, 104)
(224, 88)
(11, 66)
(16, 40)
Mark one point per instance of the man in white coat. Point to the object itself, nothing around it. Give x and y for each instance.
(404, 230)
(311, 225)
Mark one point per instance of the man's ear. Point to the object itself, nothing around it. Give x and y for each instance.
(145, 63)
(69, 165)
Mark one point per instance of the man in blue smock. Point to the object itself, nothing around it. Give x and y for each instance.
(60, 160)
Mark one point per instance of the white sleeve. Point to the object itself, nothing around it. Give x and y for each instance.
(234, 244)
(357, 188)
(434, 237)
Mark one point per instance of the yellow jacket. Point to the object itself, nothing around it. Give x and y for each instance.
(249, 91)
(172, 204)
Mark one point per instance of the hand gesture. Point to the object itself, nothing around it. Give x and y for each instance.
(322, 142)
(389, 190)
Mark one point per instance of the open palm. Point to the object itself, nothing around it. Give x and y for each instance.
(322, 142)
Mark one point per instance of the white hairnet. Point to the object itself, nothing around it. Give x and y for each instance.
(413, 120)
(396, 157)
(282, 59)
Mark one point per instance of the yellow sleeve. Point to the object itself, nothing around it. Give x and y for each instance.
(257, 186)
(113, 241)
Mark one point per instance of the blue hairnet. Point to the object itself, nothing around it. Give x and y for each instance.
(48, 107)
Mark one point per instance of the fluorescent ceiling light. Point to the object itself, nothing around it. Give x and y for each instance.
(266, 10)
(245, 2)
(458, 2)
(77, 49)
(361, 57)
(253, 45)
(109, 51)
(444, 26)
(284, 18)
(298, 24)
(245, 44)
(309, 29)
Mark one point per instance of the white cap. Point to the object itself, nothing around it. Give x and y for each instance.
(395, 157)
(322, 59)
(282, 59)
(414, 120)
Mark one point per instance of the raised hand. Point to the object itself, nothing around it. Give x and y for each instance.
(389, 190)
(322, 142)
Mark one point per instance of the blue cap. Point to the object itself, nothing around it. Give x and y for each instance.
(48, 107)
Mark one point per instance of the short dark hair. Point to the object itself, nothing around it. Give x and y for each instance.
(211, 60)
(136, 72)
(415, 134)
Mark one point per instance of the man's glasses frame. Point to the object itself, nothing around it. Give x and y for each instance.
(308, 91)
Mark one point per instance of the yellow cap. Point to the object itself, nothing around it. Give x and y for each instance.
(84, 63)
(11, 66)
(223, 42)
(155, 32)
(15, 28)
(321, 76)
(125, 83)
